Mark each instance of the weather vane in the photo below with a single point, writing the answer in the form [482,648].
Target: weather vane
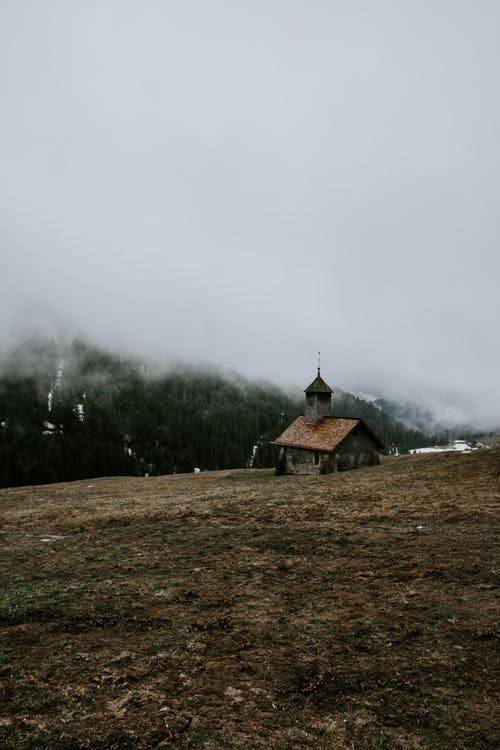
[319,360]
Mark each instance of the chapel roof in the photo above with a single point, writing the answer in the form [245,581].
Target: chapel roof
[324,435]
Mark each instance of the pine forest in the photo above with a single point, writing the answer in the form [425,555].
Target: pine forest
[76,411]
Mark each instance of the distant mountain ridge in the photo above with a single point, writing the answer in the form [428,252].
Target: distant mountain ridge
[411,415]
[75,411]
[418,418]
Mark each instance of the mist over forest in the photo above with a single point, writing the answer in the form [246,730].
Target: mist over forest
[248,183]
[73,411]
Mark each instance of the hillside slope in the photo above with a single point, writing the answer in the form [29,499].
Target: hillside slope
[74,412]
[240,610]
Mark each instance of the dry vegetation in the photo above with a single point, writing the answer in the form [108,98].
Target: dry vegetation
[242,610]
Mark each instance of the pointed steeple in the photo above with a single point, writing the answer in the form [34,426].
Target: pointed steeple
[318,399]
[318,385]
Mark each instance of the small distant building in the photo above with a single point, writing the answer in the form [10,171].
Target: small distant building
[318,443]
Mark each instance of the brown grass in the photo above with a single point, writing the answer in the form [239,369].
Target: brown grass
[242,610]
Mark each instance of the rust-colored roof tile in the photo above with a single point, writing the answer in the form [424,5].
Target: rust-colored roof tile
[324,435]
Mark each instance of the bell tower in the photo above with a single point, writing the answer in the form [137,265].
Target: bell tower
[318,399]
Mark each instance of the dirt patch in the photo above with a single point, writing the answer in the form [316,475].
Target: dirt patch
[243,610]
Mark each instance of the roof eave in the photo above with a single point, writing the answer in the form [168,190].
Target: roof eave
[305,447]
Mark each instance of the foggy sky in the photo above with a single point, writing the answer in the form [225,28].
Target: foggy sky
[248,182]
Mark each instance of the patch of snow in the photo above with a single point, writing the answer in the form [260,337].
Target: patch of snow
[49,428]
[460,446]
[251,460]
[56,384]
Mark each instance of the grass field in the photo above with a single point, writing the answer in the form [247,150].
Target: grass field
[243,610]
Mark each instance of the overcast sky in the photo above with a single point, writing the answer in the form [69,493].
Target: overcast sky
[247,182]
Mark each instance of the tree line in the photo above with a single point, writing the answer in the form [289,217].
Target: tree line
[78,412]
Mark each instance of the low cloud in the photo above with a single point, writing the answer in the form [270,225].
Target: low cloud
[248,184]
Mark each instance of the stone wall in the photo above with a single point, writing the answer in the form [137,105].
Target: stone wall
[299,461]
[358,449]
[318,405]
